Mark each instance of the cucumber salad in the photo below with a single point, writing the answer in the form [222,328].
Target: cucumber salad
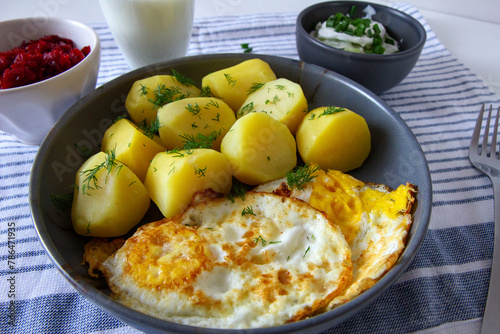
[361,35]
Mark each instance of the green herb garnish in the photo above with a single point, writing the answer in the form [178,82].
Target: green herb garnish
[150,130]
[261,239]
[331,110]
[200,141]
[200,171]
[163,95]
[91,181]
[230,79]
[248,211]
[206,92]
[301,175]
[182,79]
[238,189]
[62,202]
[254,87]
[246,47]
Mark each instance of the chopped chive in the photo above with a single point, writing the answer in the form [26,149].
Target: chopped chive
[353,11]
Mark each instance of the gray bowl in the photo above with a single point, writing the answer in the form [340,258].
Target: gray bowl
[396,158]
[378,73]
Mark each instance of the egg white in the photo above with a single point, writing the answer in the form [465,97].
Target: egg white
[217,266]
[378,225]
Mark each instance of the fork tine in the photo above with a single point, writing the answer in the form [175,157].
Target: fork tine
[484,147]
[474,148]
[494,138]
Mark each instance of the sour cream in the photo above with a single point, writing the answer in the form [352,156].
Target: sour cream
[359,44]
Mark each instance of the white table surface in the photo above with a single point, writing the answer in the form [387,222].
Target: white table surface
[469,30]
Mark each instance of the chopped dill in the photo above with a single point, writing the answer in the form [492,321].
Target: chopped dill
[143,90]
[261,239]
[83,151]
[238,189]
[182,79]
[247,108]
[212,103]
[193,109]
[254,87]
[90,181]
[307,251]
[230,79]
[301,175]
[206,92]
[62,202]
[200,171]
[150,130]
[200,141]
[248,211]
[176,152]
[163,95]
[331,110]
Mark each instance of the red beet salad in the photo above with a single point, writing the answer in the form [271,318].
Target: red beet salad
[38,60]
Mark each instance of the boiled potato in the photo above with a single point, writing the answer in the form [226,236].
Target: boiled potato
[147,95]
[280,98]
[109,199]
[192,117]
[259,148]
[334,138]
[233,84]
[175,176]
[132,147]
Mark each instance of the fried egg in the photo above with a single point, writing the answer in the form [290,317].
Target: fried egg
[257,261]
[373,219]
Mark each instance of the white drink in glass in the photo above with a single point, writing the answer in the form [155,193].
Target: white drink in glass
[149,31]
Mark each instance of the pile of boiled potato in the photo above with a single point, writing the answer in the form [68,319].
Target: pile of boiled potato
[245,124]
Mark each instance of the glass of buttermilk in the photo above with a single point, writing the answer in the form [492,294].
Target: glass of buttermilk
[150,31]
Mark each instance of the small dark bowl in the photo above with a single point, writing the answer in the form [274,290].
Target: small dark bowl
[378,73]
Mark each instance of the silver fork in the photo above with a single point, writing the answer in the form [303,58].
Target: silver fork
[488,162]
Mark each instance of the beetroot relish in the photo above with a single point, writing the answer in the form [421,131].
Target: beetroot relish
[38,60]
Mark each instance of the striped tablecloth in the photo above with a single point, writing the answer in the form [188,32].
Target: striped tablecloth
[443,290]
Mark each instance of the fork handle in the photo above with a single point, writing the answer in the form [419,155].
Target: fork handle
[491,319]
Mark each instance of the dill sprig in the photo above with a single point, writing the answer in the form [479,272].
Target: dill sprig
[163,95]
[246,109]
[248,211]
[331,110]
[85,152]
[200,141]
[91,181]
[307,251]
[206,91]
[176,152]
[261,239]
[62,202]
[150,130]
[254,87]
[182,79]
[200,171]
[230,80]
[238,189]
[301,175]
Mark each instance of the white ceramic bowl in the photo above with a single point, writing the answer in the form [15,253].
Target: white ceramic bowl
[29,112]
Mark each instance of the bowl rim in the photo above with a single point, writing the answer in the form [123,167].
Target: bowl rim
[95,48]
[301,31]
[130,316]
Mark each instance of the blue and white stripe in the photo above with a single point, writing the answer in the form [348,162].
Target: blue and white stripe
[443,290]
